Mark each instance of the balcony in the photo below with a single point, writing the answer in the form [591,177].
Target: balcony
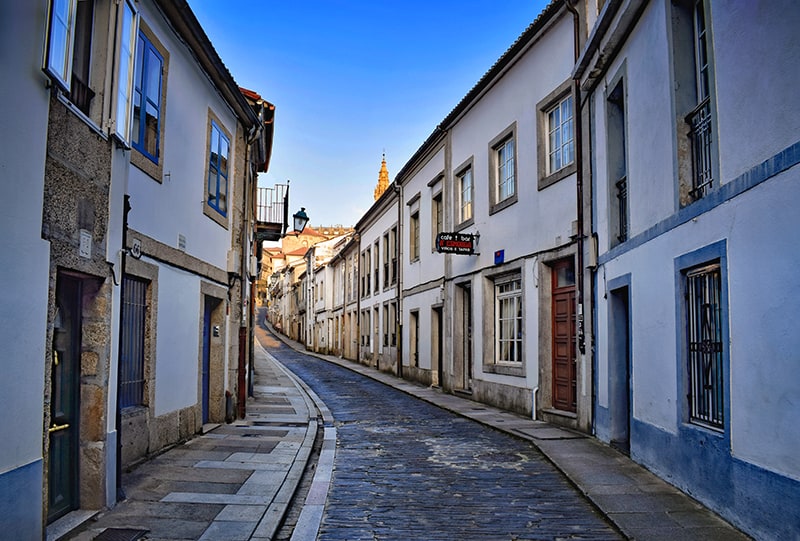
[271,212]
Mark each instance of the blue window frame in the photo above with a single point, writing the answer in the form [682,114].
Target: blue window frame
[146,136]
[217,183]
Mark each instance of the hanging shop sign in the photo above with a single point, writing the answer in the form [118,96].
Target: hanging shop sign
[455,243]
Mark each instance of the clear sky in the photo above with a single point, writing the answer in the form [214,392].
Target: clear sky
[351,79]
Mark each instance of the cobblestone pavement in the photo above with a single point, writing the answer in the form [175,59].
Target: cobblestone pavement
[407,470]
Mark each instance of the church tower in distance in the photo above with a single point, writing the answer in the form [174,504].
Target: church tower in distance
[383,179]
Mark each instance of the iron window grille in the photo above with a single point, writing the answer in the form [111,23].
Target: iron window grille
[622,208]
[705,343]
[699,121]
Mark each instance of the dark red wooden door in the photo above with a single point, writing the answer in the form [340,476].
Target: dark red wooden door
[564,372]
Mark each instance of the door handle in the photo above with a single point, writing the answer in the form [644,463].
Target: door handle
[57,428]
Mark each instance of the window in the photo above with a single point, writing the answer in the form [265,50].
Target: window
[393,243]
[69,49]
[437,217]
[693,72]
[700,118]
[561,146]
[377,264]
[58,62]
[217,181]
[555,149]
[464,185]
[704,327]
[413,251]
[385,325]
[393,324]
[127,44]
[367,264]
[502,170]
[508,320]
[413,354]
[147,104]
[617,165]
[386,258]
[505,170]
[132,351]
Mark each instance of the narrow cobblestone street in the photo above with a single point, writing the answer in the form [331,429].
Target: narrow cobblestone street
[405,469]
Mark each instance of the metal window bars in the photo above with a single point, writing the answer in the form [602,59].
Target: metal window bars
[705,359]
[699,121]
[622,208]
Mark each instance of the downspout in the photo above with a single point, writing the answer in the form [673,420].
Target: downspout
[246,330]
[398,190]
[581,338]
[579,171]
[126,208]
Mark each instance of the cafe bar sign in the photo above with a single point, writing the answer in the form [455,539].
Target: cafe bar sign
[455,243]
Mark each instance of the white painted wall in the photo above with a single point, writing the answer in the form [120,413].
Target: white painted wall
[177,341]
[24,256]
[175,206]
[539,219]
[430,265]
[758,118]
[371,233]
[756,46]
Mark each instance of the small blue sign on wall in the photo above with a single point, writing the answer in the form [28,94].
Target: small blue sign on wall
[499,256]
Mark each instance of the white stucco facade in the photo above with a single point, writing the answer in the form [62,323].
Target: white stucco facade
[744,224]
[24,260]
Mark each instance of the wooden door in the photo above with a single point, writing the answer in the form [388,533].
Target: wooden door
[564,366]
[64,404]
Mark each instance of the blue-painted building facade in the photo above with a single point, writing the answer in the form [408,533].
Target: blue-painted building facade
[692,128]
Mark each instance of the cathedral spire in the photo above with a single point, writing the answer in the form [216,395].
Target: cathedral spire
[383,179]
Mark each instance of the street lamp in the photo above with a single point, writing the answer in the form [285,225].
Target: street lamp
[300,220]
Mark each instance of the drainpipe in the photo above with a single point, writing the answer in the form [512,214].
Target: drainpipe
[570,5]
[126,208]
[398,190]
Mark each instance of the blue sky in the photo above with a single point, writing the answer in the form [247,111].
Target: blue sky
[352,79]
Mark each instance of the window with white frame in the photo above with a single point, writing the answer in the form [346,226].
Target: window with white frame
[128,30]
[506,186]
[464,186]
[503,169]
[508,320]
[58,60]
[560,136]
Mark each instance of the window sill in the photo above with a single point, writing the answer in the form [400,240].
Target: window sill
[465,224]
[505,203]
[564,172]
[506,369]
[214,214]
